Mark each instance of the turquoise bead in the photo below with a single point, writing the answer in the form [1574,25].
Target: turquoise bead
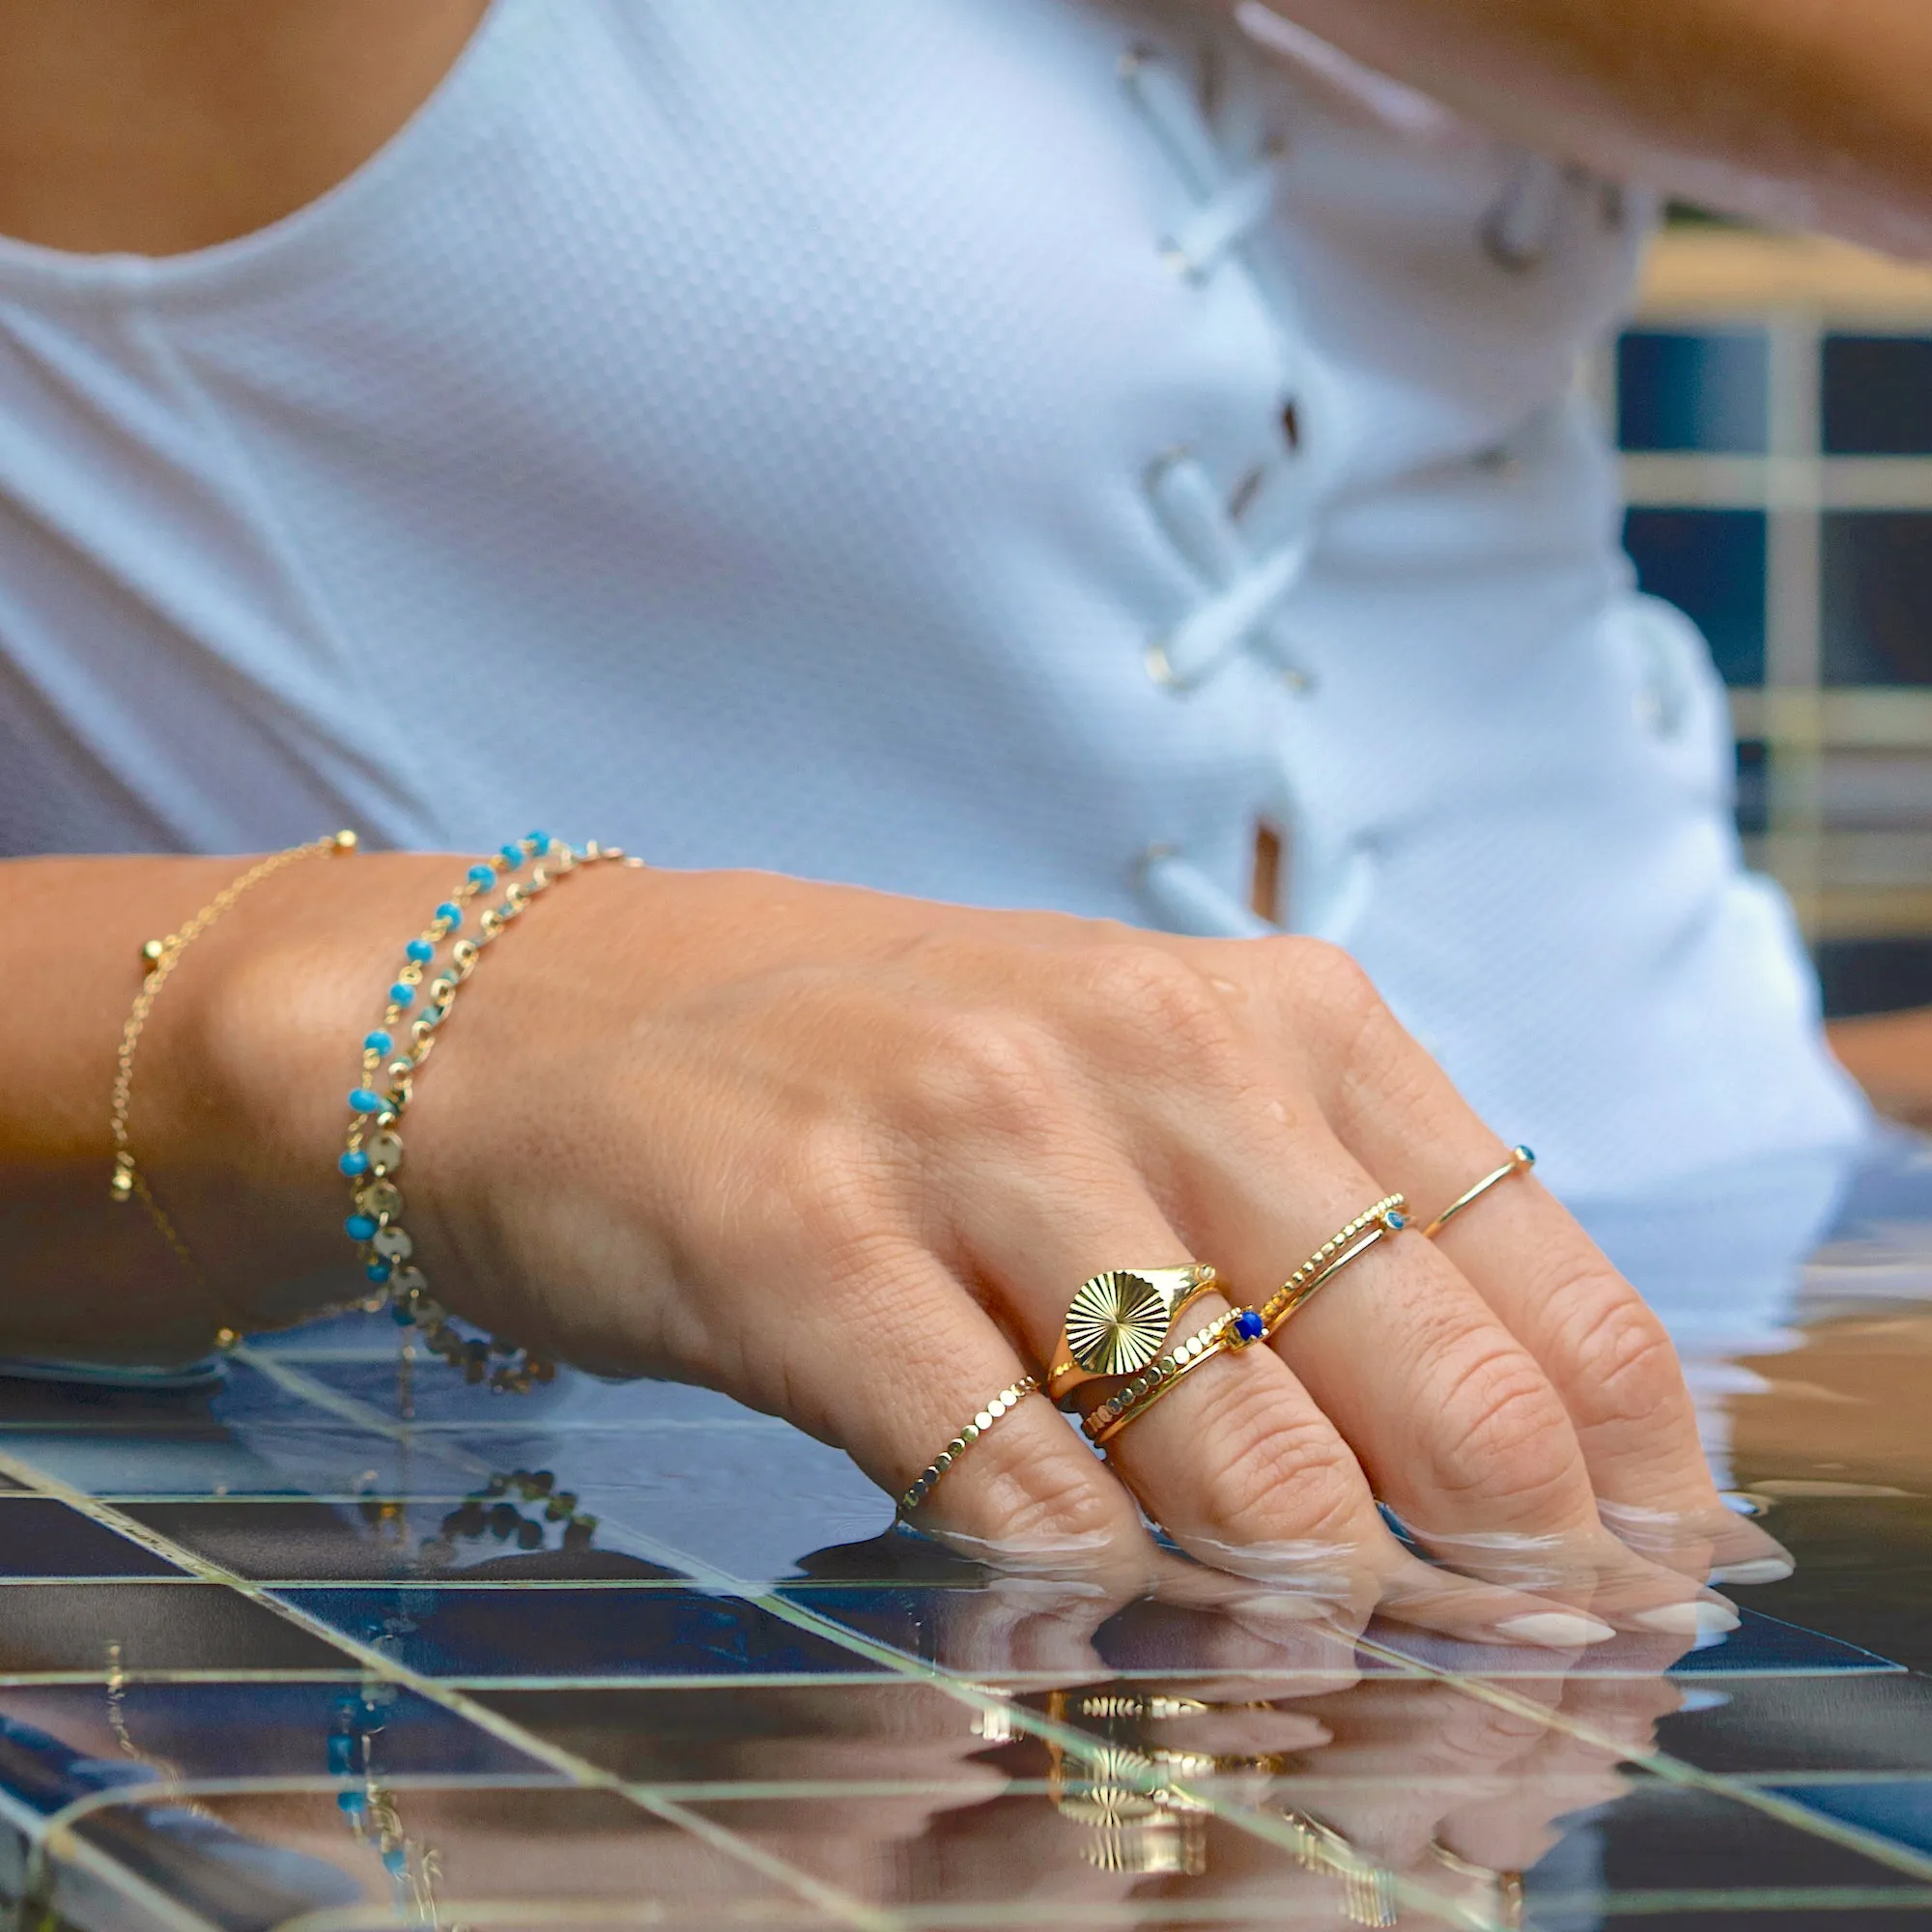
[378,1272]
[378,1041]
[420,951]
[539,842]
[482,875]
[365,1100]
[450,913]
[354,1163]
[402,995]
[360,1227]
[513,855]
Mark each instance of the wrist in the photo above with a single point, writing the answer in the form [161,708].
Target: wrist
[251,1079]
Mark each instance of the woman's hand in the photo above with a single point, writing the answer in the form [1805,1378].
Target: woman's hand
[847,1156]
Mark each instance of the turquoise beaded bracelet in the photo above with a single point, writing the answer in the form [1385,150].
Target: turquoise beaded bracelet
[372,1153]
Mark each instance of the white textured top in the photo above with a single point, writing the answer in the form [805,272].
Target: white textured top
[796,436]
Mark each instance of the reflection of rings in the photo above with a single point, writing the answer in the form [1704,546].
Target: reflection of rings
[1521,1161]
[1507,1885]
[1005,1402]
[1384,1218]
[1230,1332]
[1118,1321]
[1368,1889]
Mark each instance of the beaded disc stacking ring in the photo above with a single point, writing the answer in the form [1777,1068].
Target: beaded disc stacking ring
[1117,1322]
[1228,1333]
[1521,1161]
[1005,1402]
[1346,1244]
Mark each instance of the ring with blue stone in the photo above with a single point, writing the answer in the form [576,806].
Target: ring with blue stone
[1348,1243]
[1228,1333]
[1521,1161]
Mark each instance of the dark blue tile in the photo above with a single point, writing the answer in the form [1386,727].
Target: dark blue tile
[1711,564]
[42,1538]
[458,1631]
[150,1627]
[1878,395]
[1707,391]
[262,1730]
[1878,597]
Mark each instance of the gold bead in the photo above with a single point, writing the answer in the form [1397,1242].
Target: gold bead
[346,840]
[122,1186]
[150,953]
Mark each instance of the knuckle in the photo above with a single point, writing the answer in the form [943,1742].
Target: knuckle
[1328,978]
[1059,1502]
[838,1190]
[1625,1366]
[1503,1432]
[1271,1473]
[992,1070]
[1158,1000]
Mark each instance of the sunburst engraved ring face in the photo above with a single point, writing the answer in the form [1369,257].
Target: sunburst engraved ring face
[1118,1321]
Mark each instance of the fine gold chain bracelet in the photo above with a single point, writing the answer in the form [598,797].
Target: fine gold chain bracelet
[160,957]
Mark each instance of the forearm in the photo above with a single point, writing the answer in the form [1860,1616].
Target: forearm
[1815,113]
[237,1094]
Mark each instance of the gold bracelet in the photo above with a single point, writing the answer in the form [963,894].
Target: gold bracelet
[371,1153]
[159,959]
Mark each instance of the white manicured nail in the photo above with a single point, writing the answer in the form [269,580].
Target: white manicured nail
[1556,1630]
[1701,1619]
[1759,1570]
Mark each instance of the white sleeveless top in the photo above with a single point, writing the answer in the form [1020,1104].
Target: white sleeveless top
[993,449]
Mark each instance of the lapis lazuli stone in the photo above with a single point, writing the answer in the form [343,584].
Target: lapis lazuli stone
[360,1227]
[354,1163]
[420,951]
[1249,1325]
[365,1100]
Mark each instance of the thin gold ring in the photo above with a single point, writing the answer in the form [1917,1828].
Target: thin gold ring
[1118,1322]
[1521,1161]
[1005,1402]
[1345,1244]
[1230,1332]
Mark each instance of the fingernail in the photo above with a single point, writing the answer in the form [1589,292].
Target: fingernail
[1759,1570]
[1556,1630]
[1700,1619]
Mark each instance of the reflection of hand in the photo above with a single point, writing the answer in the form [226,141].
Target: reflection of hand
[846,1157]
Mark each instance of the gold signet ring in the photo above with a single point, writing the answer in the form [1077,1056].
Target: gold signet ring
[1117,1322]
